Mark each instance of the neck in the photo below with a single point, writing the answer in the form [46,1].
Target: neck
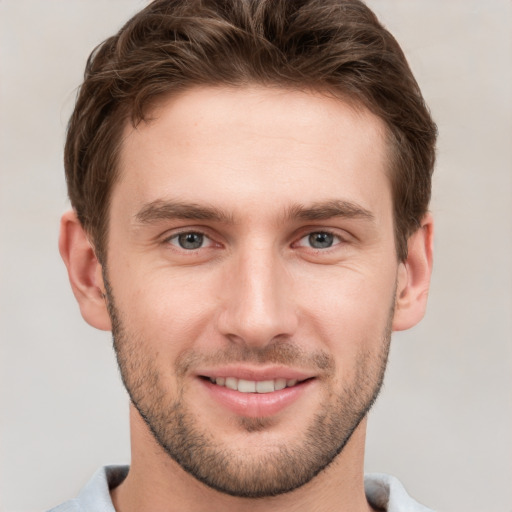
[155,482]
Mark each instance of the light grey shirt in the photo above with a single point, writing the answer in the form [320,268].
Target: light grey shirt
[382,491]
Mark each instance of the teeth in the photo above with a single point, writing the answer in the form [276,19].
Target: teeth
[279,384]
[265,386]
[246,386]
[232,383]
[252,386]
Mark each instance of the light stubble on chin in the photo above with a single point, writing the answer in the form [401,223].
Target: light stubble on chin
[279,468]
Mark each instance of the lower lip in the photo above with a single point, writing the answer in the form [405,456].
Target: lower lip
[256,405]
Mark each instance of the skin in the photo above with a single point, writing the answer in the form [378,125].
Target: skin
[280,166]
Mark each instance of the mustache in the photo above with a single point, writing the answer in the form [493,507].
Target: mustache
[278,352]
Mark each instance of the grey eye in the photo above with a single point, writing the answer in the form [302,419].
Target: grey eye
[190,241]
[321,240]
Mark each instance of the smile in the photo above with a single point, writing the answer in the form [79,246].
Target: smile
[253,386]
[262,397]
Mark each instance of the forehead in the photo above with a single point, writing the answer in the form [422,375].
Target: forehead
[254,146]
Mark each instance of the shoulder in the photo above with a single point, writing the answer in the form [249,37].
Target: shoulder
[95,496]
[386,492]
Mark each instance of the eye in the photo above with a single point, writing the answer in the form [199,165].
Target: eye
[319,240]
[189,240]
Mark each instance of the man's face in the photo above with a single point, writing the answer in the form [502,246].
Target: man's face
[251,280]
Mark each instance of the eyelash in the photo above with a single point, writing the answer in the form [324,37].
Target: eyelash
[176,237]
[336,239]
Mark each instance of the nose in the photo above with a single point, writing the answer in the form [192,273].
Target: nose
[258,304]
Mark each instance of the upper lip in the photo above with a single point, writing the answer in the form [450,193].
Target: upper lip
[255,373]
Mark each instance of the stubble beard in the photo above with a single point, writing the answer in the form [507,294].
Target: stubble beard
[275,471]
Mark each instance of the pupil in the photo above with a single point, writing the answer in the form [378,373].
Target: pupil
[320,240]
[190,240]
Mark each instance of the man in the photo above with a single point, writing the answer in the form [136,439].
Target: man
[250,184]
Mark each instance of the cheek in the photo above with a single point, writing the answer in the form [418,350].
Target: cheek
[350,312]
[165,310]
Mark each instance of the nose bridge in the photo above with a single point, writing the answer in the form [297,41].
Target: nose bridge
[259,305]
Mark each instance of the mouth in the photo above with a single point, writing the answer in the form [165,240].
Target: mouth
[256,392]
[254,386]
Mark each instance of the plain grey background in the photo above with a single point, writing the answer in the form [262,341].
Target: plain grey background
[443,423]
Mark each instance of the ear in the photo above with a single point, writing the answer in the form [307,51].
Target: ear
[413,279]
[84,271]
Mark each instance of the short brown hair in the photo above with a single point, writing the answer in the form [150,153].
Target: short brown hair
[337,46]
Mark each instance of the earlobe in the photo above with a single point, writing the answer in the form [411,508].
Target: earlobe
[84,271]
[413,279]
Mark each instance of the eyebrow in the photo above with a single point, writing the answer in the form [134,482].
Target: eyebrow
[160,209]
[165,210]
[328,210]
